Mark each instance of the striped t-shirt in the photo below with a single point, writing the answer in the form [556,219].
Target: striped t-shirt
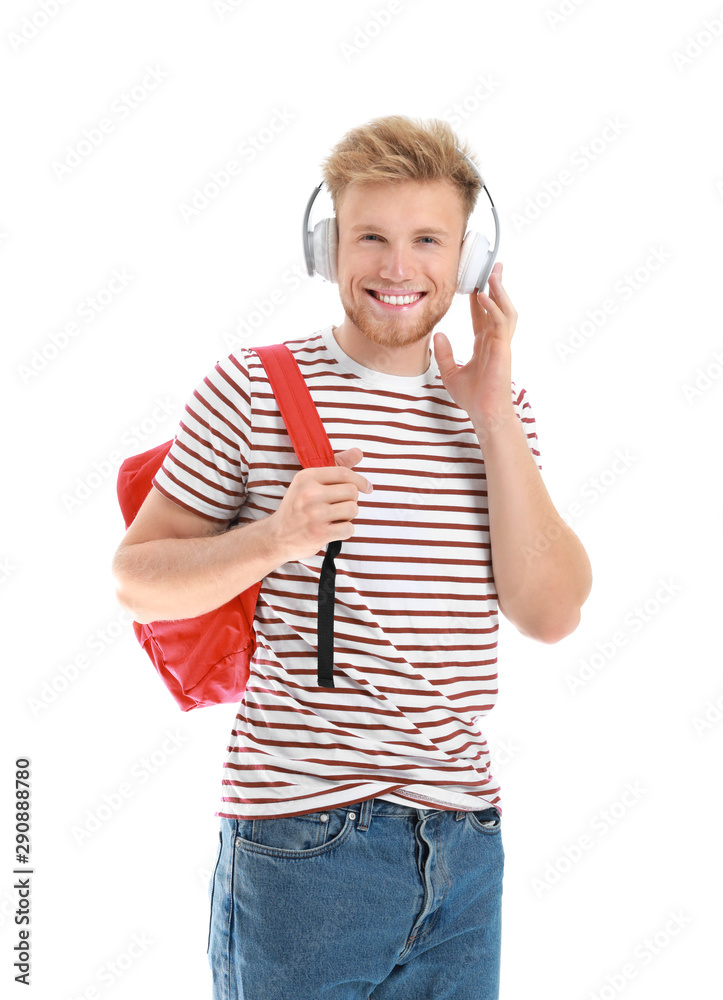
[415,606]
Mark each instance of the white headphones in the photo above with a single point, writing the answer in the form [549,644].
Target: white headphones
[475,262]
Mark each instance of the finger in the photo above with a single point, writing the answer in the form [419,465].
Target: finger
[496,289]
[349,457]
[485,309]
[494,280]
[443,354]
[499,298]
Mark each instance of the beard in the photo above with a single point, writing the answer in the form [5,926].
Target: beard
[396,331]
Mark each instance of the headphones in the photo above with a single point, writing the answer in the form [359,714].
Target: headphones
[475,262]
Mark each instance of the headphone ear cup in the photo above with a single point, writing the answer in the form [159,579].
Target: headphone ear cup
[325,242]
[475,263]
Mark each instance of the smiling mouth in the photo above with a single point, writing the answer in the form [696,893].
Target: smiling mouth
[396,301]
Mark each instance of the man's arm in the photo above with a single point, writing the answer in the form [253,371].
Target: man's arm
[173,564]
[541,570]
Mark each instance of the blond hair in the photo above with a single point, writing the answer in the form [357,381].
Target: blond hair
[396,148]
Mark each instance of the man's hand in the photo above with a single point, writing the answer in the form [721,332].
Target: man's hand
[319,506]
[482,387]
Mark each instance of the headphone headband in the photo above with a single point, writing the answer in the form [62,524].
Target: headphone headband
[308,255]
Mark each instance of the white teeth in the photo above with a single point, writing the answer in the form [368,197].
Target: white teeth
[397,300]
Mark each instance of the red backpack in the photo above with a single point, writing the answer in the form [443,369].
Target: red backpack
[205,660]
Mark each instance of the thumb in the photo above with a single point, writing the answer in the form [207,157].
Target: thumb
[349,458]
[443,354]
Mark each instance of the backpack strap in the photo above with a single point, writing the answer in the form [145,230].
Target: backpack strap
[313,449]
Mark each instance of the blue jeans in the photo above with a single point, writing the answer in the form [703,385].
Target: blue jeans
[370,901]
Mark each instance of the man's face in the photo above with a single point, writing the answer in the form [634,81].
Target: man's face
[401,238]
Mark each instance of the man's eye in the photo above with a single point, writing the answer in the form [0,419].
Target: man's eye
[373,236]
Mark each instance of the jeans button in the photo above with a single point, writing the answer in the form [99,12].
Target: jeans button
[352,815]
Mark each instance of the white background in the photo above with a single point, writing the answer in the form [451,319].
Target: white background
[80,698]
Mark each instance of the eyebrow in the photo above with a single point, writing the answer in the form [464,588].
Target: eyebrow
[426,231]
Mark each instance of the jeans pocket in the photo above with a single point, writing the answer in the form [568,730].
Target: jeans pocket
[212,886]
[487,821]
[307,835]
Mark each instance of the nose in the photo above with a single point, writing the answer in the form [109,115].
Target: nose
[397,262]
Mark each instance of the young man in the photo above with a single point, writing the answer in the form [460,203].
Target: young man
[360,836]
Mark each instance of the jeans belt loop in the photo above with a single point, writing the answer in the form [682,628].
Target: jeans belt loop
[366,809]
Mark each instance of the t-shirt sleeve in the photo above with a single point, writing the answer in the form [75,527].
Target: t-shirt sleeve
[206,469]
[521,403]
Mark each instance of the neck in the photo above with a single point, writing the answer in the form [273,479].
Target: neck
[391,358]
